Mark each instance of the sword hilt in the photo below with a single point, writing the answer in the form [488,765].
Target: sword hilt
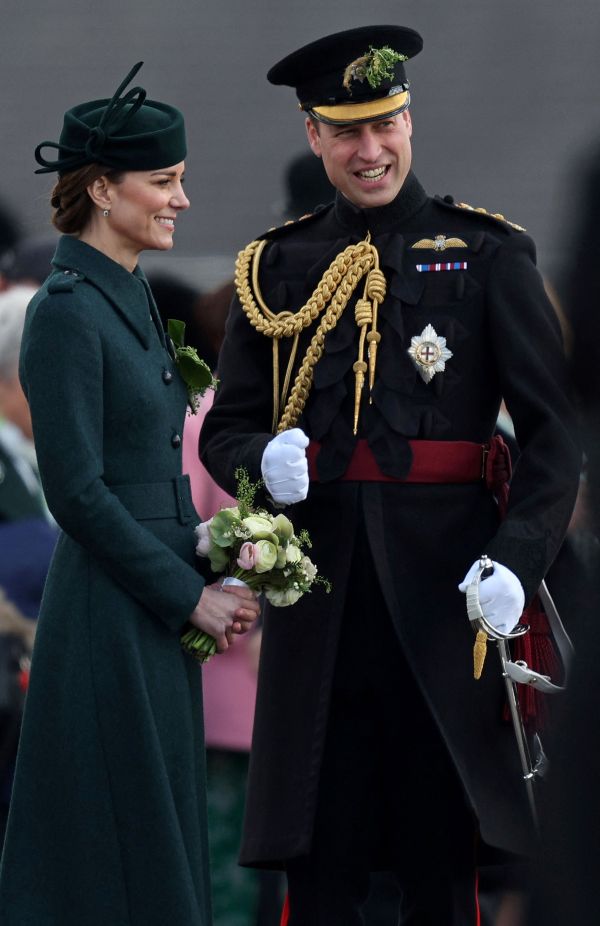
[474,612]
[483,628]
[487,567]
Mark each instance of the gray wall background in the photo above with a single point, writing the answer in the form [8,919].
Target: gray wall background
[505,100]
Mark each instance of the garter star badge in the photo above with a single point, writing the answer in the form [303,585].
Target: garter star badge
[429,353]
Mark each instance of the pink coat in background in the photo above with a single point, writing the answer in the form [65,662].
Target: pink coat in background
[228,680]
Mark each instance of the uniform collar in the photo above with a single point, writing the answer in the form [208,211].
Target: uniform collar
[380,219]
[126,291]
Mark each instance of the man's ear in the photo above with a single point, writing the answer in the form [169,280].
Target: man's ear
[314,139]
[99,192]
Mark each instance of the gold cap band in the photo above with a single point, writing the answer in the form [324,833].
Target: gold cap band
[347,113]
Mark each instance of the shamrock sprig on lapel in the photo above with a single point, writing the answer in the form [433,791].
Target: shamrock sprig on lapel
[194,371]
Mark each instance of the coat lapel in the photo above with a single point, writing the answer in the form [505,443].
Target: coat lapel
[125,291]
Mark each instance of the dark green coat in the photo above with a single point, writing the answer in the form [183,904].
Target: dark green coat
[108,820]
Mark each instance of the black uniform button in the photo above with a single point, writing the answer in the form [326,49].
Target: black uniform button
[167,377]
[176,441]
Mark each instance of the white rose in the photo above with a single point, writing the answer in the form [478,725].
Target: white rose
[281,597]
[261,528]
[293,554]
[308,568]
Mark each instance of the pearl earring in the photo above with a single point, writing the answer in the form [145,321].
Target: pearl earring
[106,213]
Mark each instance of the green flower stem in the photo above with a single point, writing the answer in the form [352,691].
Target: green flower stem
[199,644]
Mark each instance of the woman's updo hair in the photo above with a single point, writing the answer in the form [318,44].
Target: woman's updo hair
[71,201]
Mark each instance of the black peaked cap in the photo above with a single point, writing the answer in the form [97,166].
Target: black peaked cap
[317,70]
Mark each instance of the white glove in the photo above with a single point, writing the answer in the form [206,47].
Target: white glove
[501,596]
[285,467]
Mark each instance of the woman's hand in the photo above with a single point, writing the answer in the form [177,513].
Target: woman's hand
[224,611]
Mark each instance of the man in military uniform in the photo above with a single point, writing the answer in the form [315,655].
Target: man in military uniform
[375,339]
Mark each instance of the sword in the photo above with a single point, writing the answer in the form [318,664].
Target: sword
[530,769]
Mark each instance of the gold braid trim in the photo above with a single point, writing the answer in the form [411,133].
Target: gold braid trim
[492,215]
[331,296]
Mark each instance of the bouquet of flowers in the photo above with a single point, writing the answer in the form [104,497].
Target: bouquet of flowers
[252,546]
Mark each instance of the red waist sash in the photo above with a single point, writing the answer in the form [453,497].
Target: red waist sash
[434,461]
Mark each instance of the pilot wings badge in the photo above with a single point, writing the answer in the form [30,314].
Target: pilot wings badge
[439,243]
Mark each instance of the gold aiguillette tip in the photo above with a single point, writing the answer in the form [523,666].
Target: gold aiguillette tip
[479,651]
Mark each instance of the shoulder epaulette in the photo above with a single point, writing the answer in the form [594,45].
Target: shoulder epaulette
[292,224]
[492,215]
[64,281]
[449,201]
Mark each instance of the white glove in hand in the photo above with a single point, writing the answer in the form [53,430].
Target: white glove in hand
[285,467]
[501,596]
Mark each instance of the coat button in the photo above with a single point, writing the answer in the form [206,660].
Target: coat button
[176,441]
[167,377]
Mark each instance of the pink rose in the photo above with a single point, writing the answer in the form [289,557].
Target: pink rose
[247,557]
[204,539]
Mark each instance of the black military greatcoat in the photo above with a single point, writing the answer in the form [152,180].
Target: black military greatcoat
[505,343]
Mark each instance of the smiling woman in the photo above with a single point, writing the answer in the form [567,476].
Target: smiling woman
[108,820]
[136,212]
[121,213]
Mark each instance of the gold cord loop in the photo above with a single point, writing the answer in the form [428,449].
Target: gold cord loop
[376,286]
[329,299]
[375,289]
[363,312]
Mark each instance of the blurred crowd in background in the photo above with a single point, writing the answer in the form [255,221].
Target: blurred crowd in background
[27,531]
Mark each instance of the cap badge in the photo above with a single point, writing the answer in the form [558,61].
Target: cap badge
[439,243]
[375,66]
[429,353]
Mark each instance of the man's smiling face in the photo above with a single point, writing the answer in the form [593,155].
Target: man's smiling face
[369,161]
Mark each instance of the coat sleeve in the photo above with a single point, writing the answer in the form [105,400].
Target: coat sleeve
[62,376]
[527,345]
[237,428]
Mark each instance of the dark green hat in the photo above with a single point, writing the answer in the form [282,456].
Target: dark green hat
[352,76]
[126,132]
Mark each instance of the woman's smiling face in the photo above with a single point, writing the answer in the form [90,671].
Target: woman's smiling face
[144,206]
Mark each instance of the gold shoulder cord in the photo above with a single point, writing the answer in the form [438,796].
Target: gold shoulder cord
[331,296]
[493,215]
